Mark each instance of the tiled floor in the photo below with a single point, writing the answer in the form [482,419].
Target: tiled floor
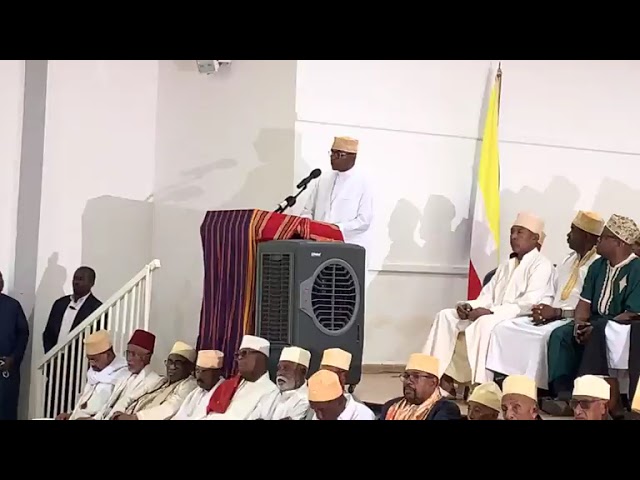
[381,387]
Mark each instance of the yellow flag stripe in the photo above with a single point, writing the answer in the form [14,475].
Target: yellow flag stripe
[489,166]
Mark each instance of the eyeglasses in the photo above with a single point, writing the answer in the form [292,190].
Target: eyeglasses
[337,153]
[175,363]
[413,377]
[584,404]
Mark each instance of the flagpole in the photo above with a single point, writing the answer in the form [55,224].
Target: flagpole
[499,86]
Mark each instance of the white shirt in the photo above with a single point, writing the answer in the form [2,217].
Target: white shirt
[99,387]
[354,410]
[561,277]
[344,199]
[293,404]
[195,405]
[70,315]
[247,398]
[128,390]
[517,286]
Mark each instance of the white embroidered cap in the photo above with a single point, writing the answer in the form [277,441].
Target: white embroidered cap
[258,344]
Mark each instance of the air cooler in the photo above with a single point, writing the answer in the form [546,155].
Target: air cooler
[311,295]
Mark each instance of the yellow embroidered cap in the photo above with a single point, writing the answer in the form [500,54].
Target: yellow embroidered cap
[635,405]
[98,342]
[184,350]
[336,357]
[210,359]
[487,394]
[345,144]
[520,385]
[324,386]
[590,222]
[423,363]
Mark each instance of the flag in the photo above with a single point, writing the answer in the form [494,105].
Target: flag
[485,230]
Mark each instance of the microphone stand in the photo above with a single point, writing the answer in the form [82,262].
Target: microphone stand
[291,200]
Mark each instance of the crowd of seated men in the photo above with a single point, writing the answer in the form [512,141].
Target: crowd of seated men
[567,330]
[561,339]
[193,388]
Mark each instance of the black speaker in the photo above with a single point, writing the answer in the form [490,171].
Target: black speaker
[311,295]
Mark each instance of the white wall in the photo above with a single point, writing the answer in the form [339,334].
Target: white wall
[11,107]
[224,141]
[568,143]
[97,175]
[137,151]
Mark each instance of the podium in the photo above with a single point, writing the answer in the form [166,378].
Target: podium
[229,242]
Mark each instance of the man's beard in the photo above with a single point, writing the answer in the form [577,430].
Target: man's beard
[285,384]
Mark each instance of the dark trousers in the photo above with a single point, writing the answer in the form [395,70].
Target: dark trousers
[596,362]
[565,356]
[9,393]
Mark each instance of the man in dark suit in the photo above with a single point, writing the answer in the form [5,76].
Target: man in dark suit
[66,314]
[14,335]
[422,399]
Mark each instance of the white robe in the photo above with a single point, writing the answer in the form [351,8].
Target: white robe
[293,404]
[128,390]
[247,398]
[166,408]
[346,200]
[99,388]
[354,410]
[518,347]
[511,293]
[195,405]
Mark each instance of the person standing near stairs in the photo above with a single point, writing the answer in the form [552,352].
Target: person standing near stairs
[14,335]
[66,314]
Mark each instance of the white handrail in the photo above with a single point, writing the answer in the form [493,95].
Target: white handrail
[62,343]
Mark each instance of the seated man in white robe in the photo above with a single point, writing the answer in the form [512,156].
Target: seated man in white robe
[292,400]
[163,402]
[519,283]
[519,346]
[141,379]
[237,397]
[329,402]
[519,398]
[105,370]
[208,377]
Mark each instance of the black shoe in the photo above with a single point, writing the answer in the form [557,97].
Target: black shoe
[556,408]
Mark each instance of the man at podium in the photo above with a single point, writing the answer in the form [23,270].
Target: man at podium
[343,197]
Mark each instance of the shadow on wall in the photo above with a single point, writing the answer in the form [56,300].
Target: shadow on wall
[396,319]
[187,187]
[50,288]
[616,197]
[267,184]
[442,244]
[116,241]
[556,214]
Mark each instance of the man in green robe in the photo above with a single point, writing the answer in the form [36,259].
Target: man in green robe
[611,291]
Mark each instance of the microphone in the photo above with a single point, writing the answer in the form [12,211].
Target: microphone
[290,201]
[314,174]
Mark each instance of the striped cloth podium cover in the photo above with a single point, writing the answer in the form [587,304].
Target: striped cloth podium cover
[229,241]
